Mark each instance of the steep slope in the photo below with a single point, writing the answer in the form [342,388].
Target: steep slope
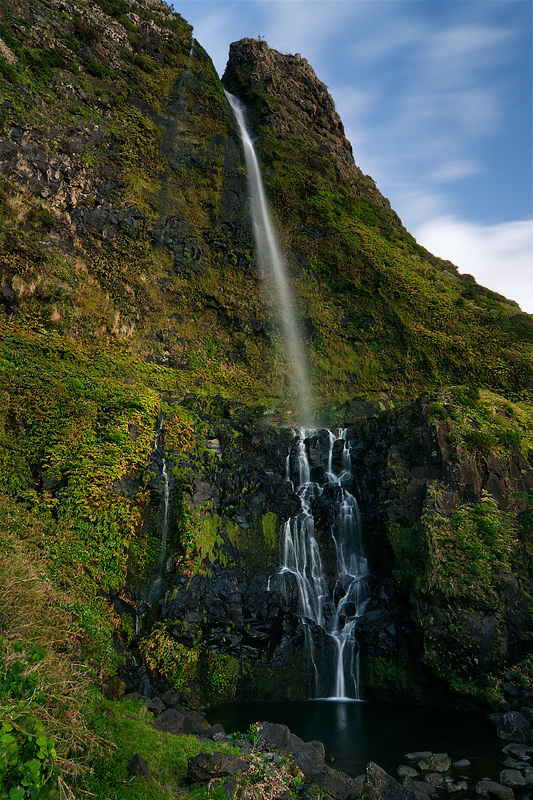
[130,297]
[381,312]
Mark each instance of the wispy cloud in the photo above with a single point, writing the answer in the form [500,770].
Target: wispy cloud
[499,256]
[434,98]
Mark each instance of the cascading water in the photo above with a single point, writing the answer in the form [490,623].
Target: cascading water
[273,267]
[334,609]
[155,589]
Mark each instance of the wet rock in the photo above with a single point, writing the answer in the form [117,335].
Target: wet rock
[488,788]
[513,726]
[338,785]
[381,785]
[518,749]
[273,736]
[206,766]
[413,789]
[139,768]
[460,786]
[414,758]
[404,771]
[308,756]
[512,763]
[461,764]
[436,762]
[512,778]
[434,779]
[527,772]
[132,696]
[422,788]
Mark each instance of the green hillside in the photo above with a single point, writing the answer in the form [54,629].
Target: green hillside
[130,296]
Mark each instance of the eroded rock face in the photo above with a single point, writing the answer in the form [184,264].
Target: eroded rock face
[412,478]
[283,91]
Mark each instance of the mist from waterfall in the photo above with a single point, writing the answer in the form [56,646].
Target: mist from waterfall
[274,270]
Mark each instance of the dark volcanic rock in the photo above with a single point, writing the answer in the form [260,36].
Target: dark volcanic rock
[379,785]
[206,766]
[139,768]
[179,721]
[514,727]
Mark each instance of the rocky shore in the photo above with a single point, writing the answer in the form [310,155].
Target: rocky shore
[270,761]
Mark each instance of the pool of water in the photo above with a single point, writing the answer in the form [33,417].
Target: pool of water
[355,733]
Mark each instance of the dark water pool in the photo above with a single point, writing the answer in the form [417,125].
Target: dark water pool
[355,733]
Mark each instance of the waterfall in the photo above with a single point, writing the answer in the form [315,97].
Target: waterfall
[155,589]
[319,467]
[273,268]
[191,51]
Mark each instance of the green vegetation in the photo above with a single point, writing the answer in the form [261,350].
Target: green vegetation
[130,293]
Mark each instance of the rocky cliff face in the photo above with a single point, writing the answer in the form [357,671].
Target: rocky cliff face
[129,293]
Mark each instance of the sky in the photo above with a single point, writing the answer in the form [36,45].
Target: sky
[436,97]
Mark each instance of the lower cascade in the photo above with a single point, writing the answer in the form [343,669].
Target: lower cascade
[330,572]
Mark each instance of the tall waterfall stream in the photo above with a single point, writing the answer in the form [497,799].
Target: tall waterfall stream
[273,268]
[333,608]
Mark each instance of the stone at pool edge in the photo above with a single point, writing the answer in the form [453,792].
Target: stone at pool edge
[512,778]
[436,762]
[404,771]
[513,726]
[463,763]
[518,749]
[495,790]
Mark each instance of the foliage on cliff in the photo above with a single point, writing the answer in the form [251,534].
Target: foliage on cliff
[128,284]
[381,312]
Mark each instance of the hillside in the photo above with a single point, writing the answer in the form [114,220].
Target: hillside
[143,379]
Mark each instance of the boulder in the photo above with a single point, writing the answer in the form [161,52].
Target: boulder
[518,749]
[178,721]
[414,758]
[434,779]
[139,768]
[155,705]
[273,736]
[416,790]
[435,762]
[487,788]
[527,772]
[308,756]
[215,732]
[424,789]
[513,726]
[206,766]
[380,785]
[404,771]
[512,778]
[460,786]
[338,785]
[462,763]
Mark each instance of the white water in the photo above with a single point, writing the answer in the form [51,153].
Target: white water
[273,268]
[155,589]
[336,608]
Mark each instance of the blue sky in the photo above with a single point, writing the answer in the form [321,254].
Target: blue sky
[436,97]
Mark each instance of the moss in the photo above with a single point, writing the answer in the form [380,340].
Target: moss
[221,675]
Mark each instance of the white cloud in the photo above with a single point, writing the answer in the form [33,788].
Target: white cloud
[500,256]
[454,170]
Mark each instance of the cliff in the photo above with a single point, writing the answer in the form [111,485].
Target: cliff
[139,364]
